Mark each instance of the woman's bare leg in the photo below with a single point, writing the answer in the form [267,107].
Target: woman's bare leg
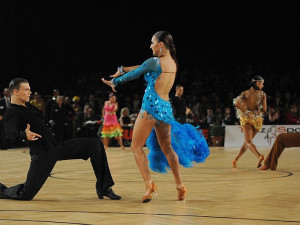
[249,133]
[121,142]
[105,142]
[242,149]
[241,152]
[141,131]
[163,133]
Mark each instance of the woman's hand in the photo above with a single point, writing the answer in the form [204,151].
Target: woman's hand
[251,115]
[117,74]
[109,83]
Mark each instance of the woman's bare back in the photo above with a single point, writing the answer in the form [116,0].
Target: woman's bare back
[252,99]
[166,79]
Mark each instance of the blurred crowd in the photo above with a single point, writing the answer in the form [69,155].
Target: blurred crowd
[76,109]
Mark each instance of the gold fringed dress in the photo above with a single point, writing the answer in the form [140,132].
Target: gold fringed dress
[252,100]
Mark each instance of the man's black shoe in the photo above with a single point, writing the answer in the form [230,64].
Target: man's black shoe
[108,193]
[2,187]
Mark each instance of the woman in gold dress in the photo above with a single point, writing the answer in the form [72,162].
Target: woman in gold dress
[250,106]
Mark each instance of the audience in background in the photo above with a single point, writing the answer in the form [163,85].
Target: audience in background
[38,102]
[208,94]
[125,119]
[292,116]
[228,117]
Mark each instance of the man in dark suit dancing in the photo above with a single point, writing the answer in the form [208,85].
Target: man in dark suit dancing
[24,121]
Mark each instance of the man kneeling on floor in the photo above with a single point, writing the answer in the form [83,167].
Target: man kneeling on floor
[24,121]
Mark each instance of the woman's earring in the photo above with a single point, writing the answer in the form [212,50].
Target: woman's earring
[159,49]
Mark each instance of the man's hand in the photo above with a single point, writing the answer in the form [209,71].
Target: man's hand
[1,117]
[31,136]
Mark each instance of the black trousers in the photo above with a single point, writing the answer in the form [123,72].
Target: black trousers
[3,144]
[43,161]
[181,119]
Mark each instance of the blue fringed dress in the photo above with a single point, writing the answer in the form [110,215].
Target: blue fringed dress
[188,142]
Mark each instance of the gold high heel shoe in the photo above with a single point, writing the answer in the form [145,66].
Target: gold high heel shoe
[260,159]
[234,163]
[181,193]
[152,188]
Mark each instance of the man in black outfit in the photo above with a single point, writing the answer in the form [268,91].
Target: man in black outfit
[59,119]
[179,105]
[24,121]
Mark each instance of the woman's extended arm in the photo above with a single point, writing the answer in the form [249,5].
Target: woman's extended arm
[238,102]
[116,107]
[121,70]
[149,65]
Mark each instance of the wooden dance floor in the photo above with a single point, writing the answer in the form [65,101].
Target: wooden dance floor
[217,193]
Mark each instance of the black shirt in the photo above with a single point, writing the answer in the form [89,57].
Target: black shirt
[126,120]
[179,107]
[59,114]
[229,120]
[16,119]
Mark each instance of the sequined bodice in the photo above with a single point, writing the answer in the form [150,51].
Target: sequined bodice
[152,103]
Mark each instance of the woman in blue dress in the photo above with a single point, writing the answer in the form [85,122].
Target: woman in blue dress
[169,142]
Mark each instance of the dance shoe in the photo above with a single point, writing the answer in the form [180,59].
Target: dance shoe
[108,193]
[150,188]
[181,193]
[264,167]
[2,187]
[234,163]
[260,159]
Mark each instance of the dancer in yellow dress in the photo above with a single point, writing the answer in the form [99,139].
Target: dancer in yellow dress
[250,106]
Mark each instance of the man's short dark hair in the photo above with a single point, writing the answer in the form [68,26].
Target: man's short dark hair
[179,85]
[15,84]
